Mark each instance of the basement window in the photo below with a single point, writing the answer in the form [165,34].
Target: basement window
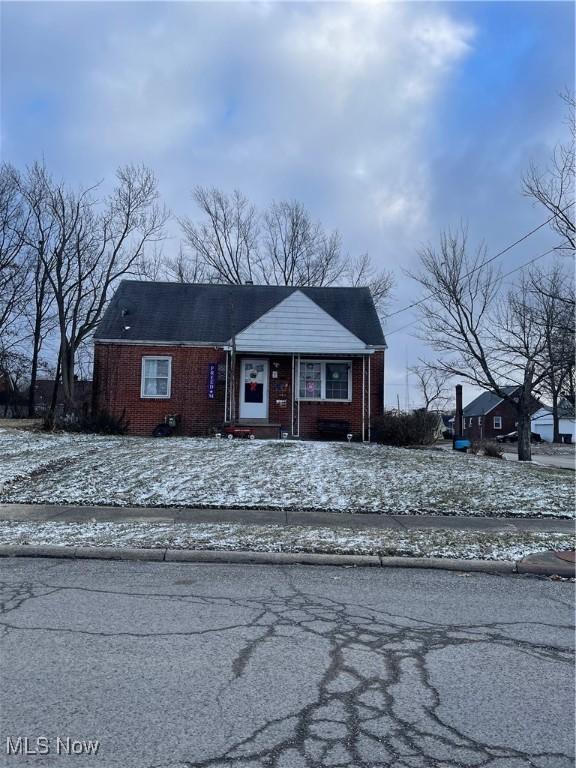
[325,380]
[156,377]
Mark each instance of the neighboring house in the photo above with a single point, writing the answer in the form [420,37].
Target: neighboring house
[489,415]
[276,358]
[542,422]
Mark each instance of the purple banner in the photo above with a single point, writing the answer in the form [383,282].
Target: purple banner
[212,378]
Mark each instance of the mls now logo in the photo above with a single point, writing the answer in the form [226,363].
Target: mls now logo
[42,745]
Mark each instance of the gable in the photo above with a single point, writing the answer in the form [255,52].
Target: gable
[298,324]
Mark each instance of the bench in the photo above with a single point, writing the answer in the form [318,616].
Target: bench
[333,427]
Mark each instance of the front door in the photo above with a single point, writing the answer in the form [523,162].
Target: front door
[253,389]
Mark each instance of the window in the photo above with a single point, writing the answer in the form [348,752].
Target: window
[471,420]
[310,380]
[479,421]
[156,377]
[325,380]
[497,422]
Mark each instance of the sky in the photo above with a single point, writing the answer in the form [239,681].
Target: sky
[390,121]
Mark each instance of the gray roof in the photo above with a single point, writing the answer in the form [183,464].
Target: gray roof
[485,402]
[212,314]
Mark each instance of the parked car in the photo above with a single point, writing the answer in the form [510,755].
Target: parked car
[512,437]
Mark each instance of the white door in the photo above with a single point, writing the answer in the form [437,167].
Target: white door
[253,389]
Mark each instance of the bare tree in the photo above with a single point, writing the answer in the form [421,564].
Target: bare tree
[291,242]
[553,187]
[186,269]
[88,246]
[13,224]
[362,272]
[284,246]
[297,250]
[226,241]
[432,384]
[553,298]
[491,340]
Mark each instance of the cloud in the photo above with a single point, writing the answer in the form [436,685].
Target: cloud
[389,120]
[305,100]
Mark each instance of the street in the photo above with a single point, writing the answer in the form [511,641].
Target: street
[292,667]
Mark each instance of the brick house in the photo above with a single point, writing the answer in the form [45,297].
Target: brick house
[275,358]
[489,416]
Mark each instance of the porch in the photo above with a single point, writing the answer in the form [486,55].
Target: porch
[303,395]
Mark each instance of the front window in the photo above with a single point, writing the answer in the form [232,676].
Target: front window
[497,422]
[156,377]
[479,421]
[325,380]
[310,380]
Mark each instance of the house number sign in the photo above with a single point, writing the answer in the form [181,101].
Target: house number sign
[212,378]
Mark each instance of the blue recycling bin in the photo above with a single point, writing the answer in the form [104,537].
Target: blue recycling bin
[461,444]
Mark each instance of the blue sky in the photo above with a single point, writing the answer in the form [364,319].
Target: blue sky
[390,121]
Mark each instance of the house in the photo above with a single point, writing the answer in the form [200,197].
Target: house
[490,415]
[279,359]
[542,422]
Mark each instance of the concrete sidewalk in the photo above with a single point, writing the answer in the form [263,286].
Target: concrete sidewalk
[357,521]
[544,460]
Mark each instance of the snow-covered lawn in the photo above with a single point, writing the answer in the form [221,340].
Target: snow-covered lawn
[86,469]
[290,538]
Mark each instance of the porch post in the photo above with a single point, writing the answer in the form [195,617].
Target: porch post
[298,401]
[293,396]
[226,391]
[363,393]
[369,396]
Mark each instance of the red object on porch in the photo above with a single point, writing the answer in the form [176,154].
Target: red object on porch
[245,432]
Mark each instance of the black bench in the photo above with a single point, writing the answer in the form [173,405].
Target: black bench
[333,427]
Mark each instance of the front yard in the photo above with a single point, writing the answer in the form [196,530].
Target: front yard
[84,469]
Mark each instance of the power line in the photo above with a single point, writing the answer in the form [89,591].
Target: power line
[484,263]
[507,274]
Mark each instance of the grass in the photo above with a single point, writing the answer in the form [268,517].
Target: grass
[95,470]
[292,538]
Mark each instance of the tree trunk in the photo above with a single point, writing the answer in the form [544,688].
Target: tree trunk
[67,365]
[34,371]
[54,400]
[524,430]
[555,419]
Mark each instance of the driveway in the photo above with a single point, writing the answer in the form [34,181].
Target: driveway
[292,667]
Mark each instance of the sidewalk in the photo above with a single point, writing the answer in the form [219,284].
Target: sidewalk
[356,521]
[543,460]
[494,545]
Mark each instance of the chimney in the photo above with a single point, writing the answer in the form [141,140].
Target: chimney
[249,282]
[458,415]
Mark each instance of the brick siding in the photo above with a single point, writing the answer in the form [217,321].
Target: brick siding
[117,379]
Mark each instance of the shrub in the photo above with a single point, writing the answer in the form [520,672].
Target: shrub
[475,447]
[492,449]
[102,423]
[417,428]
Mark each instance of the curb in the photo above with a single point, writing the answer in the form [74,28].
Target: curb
[556,568]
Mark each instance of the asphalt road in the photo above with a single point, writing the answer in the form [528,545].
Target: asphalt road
[285,667]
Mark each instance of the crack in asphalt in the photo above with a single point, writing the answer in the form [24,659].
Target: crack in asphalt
[375,695]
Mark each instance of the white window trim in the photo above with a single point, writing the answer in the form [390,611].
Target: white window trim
[323,398]
[142,377]
[499,419]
